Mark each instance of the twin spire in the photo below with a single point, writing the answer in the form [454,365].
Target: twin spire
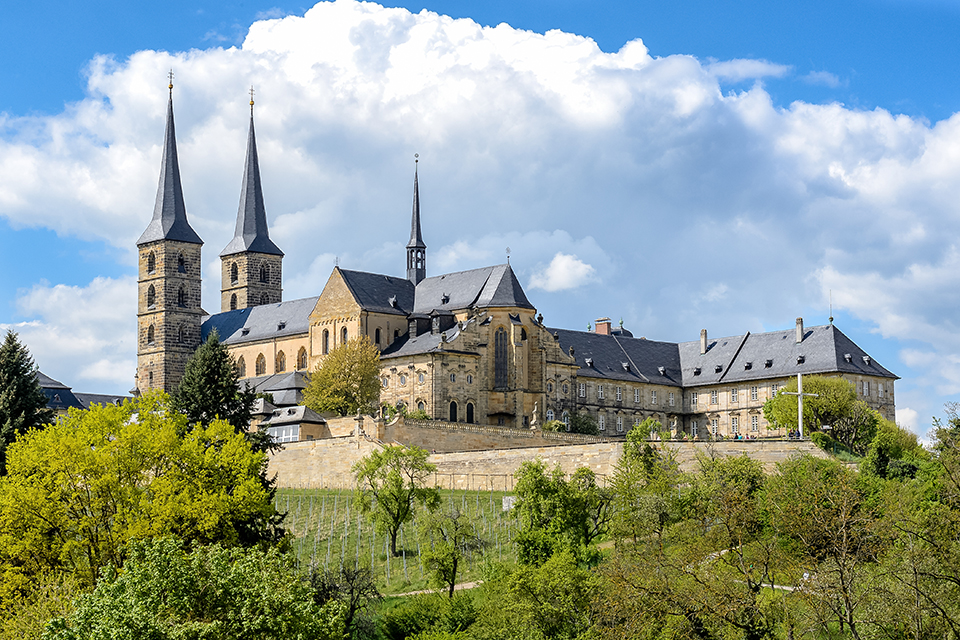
[416,249]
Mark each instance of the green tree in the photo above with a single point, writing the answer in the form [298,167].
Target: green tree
[22,403]
[355,588]
[347,380]
[166,592]
[78,491]
[210,388]
[452,536]
[391,486]
[583,422]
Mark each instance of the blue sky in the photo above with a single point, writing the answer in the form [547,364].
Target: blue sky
[752,158]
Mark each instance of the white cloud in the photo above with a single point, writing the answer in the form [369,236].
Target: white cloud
[747,69]
[822,78]
[564,272]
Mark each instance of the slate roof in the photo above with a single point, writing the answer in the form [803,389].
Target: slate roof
[622,358]
[293,415]
[286,388]
[374,291]
[263,322]
[169,213]
[424,343]
[88,399]
[59,396]
[824,349]
[495,286]
[251,233]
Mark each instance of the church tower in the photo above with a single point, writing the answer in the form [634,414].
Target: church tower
[250,265]
[416,249]
[168,308]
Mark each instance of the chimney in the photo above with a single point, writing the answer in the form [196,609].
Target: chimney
[799,330]
[703,341]
[602,326]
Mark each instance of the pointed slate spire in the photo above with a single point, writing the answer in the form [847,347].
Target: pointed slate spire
[416,249]
[169,214]
[251,233]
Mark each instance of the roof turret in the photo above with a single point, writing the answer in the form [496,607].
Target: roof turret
[416,240]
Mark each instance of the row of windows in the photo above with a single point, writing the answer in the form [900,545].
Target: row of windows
[264,299]
[152,263]
[152,297]
[325,340]
[280,363]
[151,337]
[235,273]
[565,387]
[618,394]
[714,424]
[734,395]
[377,337]
[402,379]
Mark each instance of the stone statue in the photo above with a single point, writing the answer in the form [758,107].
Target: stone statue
[535,419]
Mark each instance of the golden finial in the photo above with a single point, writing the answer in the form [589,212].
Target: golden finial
[170,78]
[251,100]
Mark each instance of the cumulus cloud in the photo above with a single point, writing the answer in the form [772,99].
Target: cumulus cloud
[693,206]
[565,271]
[822,78]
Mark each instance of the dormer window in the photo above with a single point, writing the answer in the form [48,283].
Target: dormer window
[662,370]
[866,360]
[393,301]
[444,299]
[747,366]
[589,362]
[768,363]
[718,368]
[801,359]
[696,371]
[281,326]
[625,365]
[245,331]
[848,357]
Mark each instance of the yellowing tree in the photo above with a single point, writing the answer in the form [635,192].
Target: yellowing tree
[347,380]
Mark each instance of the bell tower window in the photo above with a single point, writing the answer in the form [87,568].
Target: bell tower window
[181,264]
[181,297]
[151,298]
[234,274]
[151,336]
[264,272]
[151,263]
[233,302]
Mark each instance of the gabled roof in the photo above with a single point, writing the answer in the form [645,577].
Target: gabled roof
[169,213]
[286,388]
[251,233]
[622,358]
[293,415]
[495,286]
[379,293]
[262,322]
[59,396]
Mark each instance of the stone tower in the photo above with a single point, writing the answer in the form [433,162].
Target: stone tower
[168,308]
[250,265]
[416,249]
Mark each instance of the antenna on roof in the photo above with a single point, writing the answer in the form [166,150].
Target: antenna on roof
[831,306]
[508,255]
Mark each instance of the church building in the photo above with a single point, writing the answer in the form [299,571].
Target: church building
[464,347]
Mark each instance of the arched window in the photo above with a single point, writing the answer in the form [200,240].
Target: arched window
[550,415]
[377,336]
[261,365]
[421,406]
[470,412]
[151,297]
[233,302]
[500,359]
[566,419]
[242,367]
[151,263]
[396,333]
[281,362]
[302,359]
[264,299]
[181,264]
[325,346]
[343,335]
[181,297]
[453,411]
[234,273]
[180,334]
[264,272]
[151,335]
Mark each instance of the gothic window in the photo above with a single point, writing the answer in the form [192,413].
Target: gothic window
[264,299]
[523,333]
[500,359]
[470,413]
[234,273]
[151,297]
[264,272]
[325,343]
[281,362]
[421,406]
[420,378]
[151,263]
[302,358]
[377,334]
[233,302]
[343,335]
[151,335]
[181,297]
[242,367]
[453,411]
[181,264]
[261,365]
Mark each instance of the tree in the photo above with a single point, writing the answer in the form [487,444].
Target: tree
[166,592]
[347,380]
[78,491]
[582,422]
[452,536]
[22,403]
[391,487]
[210,388]
[355,588]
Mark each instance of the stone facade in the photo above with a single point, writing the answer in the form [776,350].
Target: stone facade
[248,279]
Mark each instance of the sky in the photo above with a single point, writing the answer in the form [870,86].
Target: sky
[684,165]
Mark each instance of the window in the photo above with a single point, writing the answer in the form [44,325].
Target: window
[636,395]
[549,387]
[880,390]
[602,422]
[619,424]
[264,272]
[281,365]
[284,434]
[566,389]
[377,336]
[735,425]
[653,396]
[385,382]
[420,378]
[713,426]
[151,335]
[181,264]
[713,397]
[343,335]
[241,367]
[866,387]
[599,392]
[469,378]
[151,297]
[734,395]
[302,359]
[396,333]
[695,428]
[694,398]
[582,390]
[500,359]
[469,413]
[550,415]
[453,411]
[566,419]
[180,334]
[754,393]
[233,302]
[181,297]
[453,377]
[261,365]
[671,399]
[234,274]
[325,343]
[619,394]
[403,380]
[774,388]
[754,423]
[264,298]
[421,406]
[151,263]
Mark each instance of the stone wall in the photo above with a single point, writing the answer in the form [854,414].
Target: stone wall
[446,437]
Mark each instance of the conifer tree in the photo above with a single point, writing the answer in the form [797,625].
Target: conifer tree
[22,403]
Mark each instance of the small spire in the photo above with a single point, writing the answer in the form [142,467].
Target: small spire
[251,101]
[416,248]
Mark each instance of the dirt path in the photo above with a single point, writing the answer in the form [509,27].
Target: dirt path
[459,587]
